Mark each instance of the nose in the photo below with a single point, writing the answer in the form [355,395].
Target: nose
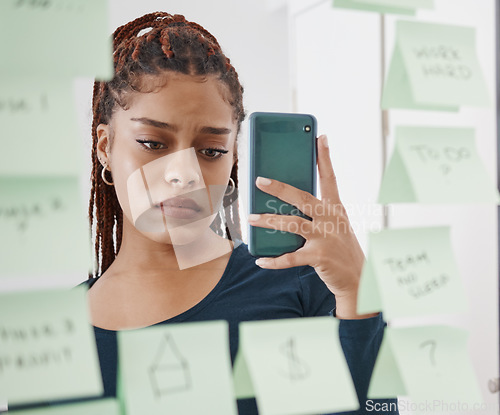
[182,169]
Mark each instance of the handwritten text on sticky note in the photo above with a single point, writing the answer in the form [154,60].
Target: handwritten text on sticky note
[38,218]
[45,336]
[436,165]
[38,128]
[434,67]
[411,272]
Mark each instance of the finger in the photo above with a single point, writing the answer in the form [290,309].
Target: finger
[292,259]
[301,199]
[327,179]
[287,223]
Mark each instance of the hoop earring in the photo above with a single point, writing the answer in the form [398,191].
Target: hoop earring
[233,186]
[103,176]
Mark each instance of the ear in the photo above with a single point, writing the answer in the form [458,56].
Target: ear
[103,132]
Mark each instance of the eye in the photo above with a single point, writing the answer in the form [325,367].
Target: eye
[213,153]
[151,145]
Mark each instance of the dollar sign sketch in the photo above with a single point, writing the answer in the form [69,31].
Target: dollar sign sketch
[297,368]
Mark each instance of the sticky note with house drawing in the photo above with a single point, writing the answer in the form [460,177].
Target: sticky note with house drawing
[180,369]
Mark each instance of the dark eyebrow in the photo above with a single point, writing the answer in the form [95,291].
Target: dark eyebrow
[154,123]
[215,130]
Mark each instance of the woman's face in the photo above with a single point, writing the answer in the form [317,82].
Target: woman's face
[170,155]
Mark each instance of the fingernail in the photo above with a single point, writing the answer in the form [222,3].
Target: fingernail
[263,181]
[253,217]
[261,262]
[324,140]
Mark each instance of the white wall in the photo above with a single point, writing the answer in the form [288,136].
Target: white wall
[338,78]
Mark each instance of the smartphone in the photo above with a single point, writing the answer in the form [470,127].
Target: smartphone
[281,147]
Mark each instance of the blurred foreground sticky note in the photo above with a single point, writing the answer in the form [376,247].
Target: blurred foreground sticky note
[97,407]
[176,369]
[55,38]
[411,272]
[410,4]
[434,67]
[436,165]
[428,364]
[294,366]
[47,347]
[385,6]
[38,127]
[43,226]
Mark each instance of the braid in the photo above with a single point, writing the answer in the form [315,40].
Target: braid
[233,231]
[153,44]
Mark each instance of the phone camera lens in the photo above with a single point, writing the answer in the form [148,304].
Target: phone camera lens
[307,128]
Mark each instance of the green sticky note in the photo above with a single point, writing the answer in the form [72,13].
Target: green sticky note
[428,364]
[38,128]
[410,4]
[436,165]
[177,369]
[434,67]
[47,347]
[43,226]
[411,272]
[55,38]
[98,407]
[295,366]
[372,7]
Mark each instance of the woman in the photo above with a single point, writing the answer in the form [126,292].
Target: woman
[164,159]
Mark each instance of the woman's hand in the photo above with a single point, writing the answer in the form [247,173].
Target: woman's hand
[331,247]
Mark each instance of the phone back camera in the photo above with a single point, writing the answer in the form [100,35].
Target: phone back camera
[307,128]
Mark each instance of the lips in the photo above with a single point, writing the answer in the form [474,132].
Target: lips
[180,208]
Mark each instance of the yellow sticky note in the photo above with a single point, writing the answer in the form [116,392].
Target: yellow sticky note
[47,347]
[43,226]
[176,368]
[434,67]
[436,165]
[430,364]
[55,38]
[287,365]
[411,272]
[38,128]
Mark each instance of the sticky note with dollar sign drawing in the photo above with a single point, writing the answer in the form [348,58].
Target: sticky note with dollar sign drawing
[287,365]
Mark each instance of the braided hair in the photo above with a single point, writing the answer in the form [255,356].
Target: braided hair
[149,46]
